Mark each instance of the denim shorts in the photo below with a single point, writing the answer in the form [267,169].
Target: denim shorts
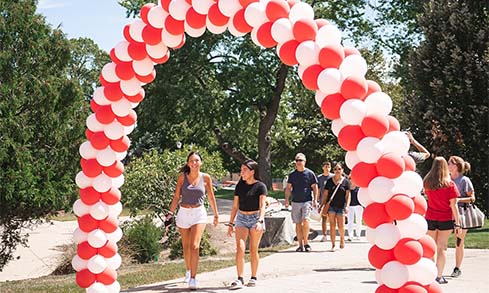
[247,221]
[334,210]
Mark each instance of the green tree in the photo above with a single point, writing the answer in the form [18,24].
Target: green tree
[447,85]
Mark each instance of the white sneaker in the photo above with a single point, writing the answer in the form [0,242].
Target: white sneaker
[324,239]
[357,238]
[192,284]
[237,284]
[187,277]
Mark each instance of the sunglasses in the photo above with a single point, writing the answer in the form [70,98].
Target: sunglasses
[299,160]
[337,169]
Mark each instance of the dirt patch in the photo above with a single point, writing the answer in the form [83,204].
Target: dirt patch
[220,239]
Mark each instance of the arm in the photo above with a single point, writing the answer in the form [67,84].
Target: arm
[211,197]
[287,194]
[469,199]
[176,195]
[234,210]
[453,207]
[347,200]
[263,197]
[315,193]
[417,145]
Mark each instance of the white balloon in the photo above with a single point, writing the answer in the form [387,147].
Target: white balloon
[99,211]
[282,30]
[319,97]
[423,272]
[115,236]
[255,14]
[413,227]
[353,65]
[386,236]
[378,103]
[122,107]
[97,287]
[78,263]
[328,35]
[157,51]
[170,40]
[99,96]
[202,6]
[329,81]
[157,16]
[120,155]
[115,210]
[301,10]
[351,159]
[97,238]
[370,149]
[79,236]
[128,129]
[130,87]
[97,264]
[93,124]
[213,28]
[307,53]
[178,9]
[136,30]
[300,70]
[102,183]
[352,111]
[108,72]
[381,189]
[87,151]
[106,157]
[143,67]
[80,209]
[394,274]
[232,29]
[378,277]
[115,261]
[193,32]
[82,180]
[120,51]
[114,130]
[337,125]
[229,7]
[370,234]
[115,287]
[409,183]
[396,142]
[118,181]
[364,197]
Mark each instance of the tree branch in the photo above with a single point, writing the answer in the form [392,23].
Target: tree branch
[227,148]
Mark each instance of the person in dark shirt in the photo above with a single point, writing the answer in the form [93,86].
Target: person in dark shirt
[303,185]
[321,182]
[247,220]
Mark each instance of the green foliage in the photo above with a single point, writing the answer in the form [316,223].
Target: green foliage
[150,180]
[447,86]
[205,247]
[143,237]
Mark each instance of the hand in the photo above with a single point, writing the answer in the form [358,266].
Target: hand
[168,219]
[230,231]
[410,136]
[259,226]
[314,204]
[286,203]
[216,220]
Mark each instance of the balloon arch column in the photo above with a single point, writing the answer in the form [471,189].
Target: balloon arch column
[376,149]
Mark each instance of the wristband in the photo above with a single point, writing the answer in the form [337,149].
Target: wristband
[231,224]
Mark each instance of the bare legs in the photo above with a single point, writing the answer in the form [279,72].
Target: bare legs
[336,219]
[441,239]
[190,242]
[459,250]
[302,231]
[242,234]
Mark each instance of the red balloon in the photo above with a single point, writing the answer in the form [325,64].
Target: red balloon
[240,23]
[372,87]
[331,56]
[91,167]
[375,214]
[399,207]
[107,277]
[362,173]
[85,250]
[350,136]
[124,70]
[165,4]
[93,105]
[264,35]
[85,278]
[378,257]
[137,51]
[408,251]
[287,52]
[113,92]
[194,19]
[420,205]
[351,51]
[304,29]
[127,36]
[136,98]
[103,82]
[321,22]
[410,164]
[88,133]
[292,2]
[393,124]
[375,125]
[89,196]
[330,106]
[390,165]
[129,119]
[111,197]
[433,288]
[151,36]
[105,114]
[144,11]
[412,287]
[354,87]
[429,246]
[162,59]
[114,170]
[245,3]
[108,250]
[87,223]
[216,17]
[109,224]
[173,26]
[310,76]
[146,78]
[120,145]
[99,141]
[276,9]
[385,289]
[182,42]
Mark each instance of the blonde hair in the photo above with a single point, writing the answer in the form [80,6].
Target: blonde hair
[439,176]
[463,167]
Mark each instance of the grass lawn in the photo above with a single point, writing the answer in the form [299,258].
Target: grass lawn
[229,194]
[478,238]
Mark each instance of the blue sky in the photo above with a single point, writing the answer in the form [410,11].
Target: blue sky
[100,20]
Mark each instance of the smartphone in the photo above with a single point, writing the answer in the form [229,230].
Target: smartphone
[458,241]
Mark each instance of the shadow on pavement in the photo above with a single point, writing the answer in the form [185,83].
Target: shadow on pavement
[173,287]
[344,269]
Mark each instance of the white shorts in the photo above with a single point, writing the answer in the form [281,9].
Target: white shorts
[187,217]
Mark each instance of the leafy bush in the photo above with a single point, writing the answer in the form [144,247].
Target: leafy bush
[206,247]
[143,237]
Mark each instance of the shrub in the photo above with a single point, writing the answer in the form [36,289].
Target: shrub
[143,237]
[206,247]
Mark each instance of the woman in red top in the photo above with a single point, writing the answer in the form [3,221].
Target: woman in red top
[442,214]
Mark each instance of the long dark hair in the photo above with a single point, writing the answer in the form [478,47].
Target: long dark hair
[253,166]
[186,169]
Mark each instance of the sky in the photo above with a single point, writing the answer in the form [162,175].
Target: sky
[100,20]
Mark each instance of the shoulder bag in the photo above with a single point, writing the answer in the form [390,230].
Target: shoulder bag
[470,216]
[326,206]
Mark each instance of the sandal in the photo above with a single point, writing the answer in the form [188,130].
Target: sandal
[300,249]
[307,247]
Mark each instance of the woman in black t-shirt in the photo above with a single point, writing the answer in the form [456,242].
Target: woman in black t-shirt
[249,211]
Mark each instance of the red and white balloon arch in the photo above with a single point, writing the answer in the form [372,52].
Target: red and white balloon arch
[376,149]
